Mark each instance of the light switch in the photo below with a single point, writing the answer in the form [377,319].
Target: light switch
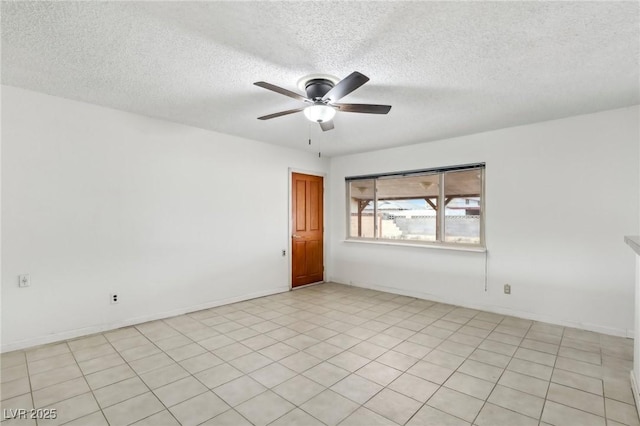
[24,280]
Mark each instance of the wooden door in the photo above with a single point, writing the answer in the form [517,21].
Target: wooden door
[307,238]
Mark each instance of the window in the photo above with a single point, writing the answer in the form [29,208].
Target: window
[404,207]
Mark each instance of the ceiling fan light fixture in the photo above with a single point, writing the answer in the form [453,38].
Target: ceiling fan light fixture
[319,113]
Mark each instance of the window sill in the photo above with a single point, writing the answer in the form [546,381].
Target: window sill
[437,246]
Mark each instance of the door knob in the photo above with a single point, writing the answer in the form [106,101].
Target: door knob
[296,236]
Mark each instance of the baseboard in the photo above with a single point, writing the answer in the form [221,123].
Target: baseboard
[634,390]
[498,310]
[72,334]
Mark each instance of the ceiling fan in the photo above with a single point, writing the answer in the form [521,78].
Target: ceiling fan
[322,94]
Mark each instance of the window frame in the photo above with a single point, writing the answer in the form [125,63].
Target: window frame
[440,214]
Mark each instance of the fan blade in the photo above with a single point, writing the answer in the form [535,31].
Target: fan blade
[282,91]
[326,125]
[366,108]
[346,86]
[280,114]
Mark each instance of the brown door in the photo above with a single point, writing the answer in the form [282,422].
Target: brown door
[307,239]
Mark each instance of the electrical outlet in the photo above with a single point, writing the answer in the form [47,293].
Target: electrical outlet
[24,280]
[507,289]
[284,252]
[113,297]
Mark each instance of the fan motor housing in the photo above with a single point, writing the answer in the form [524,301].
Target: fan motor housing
[317,88]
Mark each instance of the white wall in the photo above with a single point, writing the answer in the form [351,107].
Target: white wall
[170,217]
[560,195]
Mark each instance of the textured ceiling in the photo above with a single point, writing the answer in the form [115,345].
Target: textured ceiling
[448,68]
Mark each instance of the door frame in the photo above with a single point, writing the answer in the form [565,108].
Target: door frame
[323,175]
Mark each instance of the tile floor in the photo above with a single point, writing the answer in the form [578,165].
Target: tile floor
[328,355]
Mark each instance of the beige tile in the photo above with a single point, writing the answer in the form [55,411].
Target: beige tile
[272,375]
[164,375]
[497,347]
[431,372]
[529,368]
[264,408]
[535,356]
[356,388]
[109,376]
[47,351]
[561,415]
[469,385]
[580,367]
[515,400]
[577,399]
[577,381]
[231,352]
[301,341]
[481,370]
[620,390]
[52,377]
[92,352]
[329,407]
[200,362]
[173,342]
[397,360]
[456,348]
[16,403]
[343,341]
[298,389]
[491,358]
[86,342]
[258,342]
[198,409]
[71,409]
[368,350]
[93,419]
[239,390]
[59,392]
[296,417]
[300,361]
[183,352]
[163,418]
[228,418]
[139,352]
[412,349]
[414,387]
[278,351]
[121,333]
[50,363]
[121,391]
[366,417]
[250,362]
[349,361]
[444,359]
[101,363]
[216,342]
[130,342]
[393,405]
[539,346]
[179,391]
[12,359]
[13,373]
[430,416]
[621,412]
[524,383]
[150,363]
[218,375]
[323,350]
[326,374]
[456,404]
[379,373]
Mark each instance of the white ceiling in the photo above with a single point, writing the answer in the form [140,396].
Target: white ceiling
[447,68]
